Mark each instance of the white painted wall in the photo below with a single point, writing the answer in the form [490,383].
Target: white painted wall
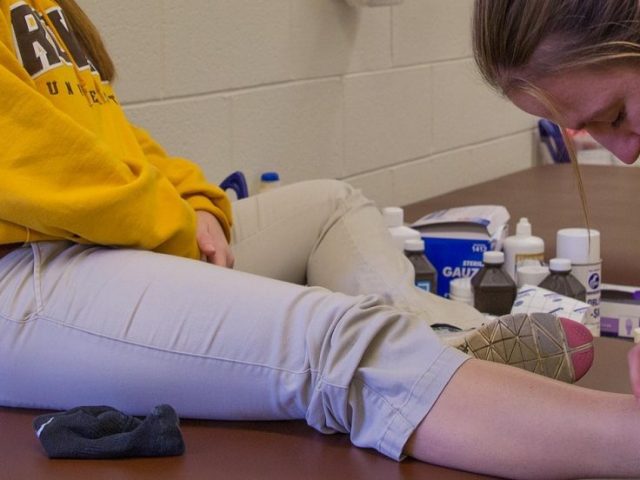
[386,98]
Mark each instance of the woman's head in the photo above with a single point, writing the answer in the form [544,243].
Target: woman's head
[524,40]
[574,61]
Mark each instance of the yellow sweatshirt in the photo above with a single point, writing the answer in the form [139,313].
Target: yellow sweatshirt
[71,165]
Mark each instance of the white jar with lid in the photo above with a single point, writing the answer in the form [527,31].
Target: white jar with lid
[460,290]
[582,247]
[531,274]
[269,181]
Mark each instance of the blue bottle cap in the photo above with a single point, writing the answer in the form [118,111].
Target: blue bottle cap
[270,177]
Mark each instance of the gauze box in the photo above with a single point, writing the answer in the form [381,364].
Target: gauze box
[456,238]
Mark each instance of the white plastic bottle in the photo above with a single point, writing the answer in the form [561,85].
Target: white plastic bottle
[460,290]
[394,220]
[582,247]
[522,249]
[268,181]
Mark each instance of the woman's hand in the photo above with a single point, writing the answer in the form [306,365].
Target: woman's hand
[213,245]
[633,358]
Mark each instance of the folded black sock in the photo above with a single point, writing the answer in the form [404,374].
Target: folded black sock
[104,432]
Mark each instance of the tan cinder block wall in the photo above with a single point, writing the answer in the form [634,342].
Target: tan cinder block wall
[386,98]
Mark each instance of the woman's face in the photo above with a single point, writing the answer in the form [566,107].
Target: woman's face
[604,102]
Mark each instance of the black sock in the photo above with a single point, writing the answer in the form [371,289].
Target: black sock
[104,432]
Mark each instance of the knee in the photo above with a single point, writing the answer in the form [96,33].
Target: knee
[337,189]
[342,194]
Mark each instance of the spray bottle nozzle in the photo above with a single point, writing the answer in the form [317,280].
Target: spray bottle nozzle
[523,228]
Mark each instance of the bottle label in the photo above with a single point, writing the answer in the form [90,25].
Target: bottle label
[528,259]
[424,285]
[590,275]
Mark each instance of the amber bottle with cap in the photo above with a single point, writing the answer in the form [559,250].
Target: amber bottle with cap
[494,291]
[426,276]
[560,280]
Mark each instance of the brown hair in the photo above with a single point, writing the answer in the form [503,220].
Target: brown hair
[516,42]
[89,38]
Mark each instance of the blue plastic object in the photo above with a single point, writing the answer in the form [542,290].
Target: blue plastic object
[550,135]
[270,177]
[236,182]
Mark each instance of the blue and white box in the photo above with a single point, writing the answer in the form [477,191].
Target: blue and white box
[456,238]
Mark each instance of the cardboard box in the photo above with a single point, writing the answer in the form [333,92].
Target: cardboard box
[456,238]
[619,310]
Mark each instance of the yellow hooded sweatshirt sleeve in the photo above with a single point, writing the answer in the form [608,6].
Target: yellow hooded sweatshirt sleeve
[71,166]
[188,180]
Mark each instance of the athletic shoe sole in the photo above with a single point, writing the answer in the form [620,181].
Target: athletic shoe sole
[538,342]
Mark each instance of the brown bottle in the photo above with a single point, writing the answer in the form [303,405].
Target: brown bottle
[494,291]
[426,276]
[561,281]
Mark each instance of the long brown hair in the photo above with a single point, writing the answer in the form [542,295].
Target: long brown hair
[89,37]
[516,42]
